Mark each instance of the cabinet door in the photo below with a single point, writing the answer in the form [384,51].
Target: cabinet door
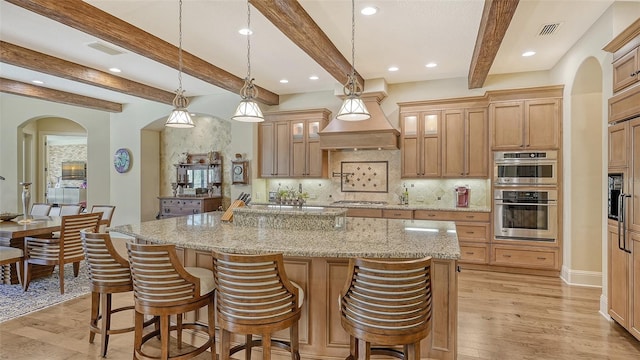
[542,120]
[410,148]
[618,279]
[625,70]
[477,150]
[266,139]
[282,149]
[454,145]
[634,326]
[618,145]
[298,150]
[507,124]
[316,158]
[430,134]
[634,177]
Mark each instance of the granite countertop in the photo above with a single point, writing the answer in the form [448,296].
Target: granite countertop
[362,237]
[438,207]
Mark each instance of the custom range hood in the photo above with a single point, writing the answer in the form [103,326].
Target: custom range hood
[374,133]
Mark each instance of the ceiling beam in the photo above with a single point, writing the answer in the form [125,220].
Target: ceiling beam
[63,97]
[33,60]
[95,22]
[496,17]
[293,21]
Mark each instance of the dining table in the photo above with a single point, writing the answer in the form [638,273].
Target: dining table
[13,232]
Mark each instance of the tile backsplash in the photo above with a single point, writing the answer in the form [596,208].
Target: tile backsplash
[421,192]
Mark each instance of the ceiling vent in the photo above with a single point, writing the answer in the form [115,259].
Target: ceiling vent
[549,29]
[105,48]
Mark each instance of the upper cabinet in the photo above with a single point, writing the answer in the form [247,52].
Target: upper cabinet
[527,124]
[420,144]
[626,70]
[289,145]
[625,104]
[465,148]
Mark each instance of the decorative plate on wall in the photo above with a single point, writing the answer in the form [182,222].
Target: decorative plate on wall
[122,160]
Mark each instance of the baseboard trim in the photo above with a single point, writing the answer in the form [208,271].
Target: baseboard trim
[581,278]
[604,307]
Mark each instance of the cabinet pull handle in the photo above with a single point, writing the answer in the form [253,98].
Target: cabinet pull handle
[633,74]
[506,255]
[542,258]
[397,214]
[431,215]
[469,253]
[471,232]
[470,216]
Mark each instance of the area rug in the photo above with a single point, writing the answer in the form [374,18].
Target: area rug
[42,293]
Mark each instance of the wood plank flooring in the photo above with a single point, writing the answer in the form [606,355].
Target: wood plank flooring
[501,316]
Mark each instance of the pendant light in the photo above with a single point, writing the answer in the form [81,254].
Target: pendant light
[353,108]
[248,109]
[179,117]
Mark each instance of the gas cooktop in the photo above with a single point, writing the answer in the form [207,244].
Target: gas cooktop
[359,202]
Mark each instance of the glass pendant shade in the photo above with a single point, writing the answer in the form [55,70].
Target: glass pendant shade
[180,117]
[248,111]
[353,109]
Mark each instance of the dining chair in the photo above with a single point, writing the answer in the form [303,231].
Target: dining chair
[10,255]
[54,211]
[255,297]
[107,214]
[70,209]
[162,287]
[40,209]
[59,250]
[386,303]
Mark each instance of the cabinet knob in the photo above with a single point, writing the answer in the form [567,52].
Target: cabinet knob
[633,74]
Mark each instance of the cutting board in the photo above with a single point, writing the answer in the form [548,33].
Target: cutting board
[228,215]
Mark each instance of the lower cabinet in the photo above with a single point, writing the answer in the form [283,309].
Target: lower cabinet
[528,257]
[182,206]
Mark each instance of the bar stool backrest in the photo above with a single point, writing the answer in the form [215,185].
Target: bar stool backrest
[108,270]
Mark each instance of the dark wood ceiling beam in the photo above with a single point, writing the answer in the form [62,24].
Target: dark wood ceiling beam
[293,21]
[33,60]
[63,97]
[95,22]
[496,18]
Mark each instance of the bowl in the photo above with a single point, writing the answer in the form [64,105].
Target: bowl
[8,216]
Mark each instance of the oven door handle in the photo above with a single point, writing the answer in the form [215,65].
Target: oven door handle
[550,203]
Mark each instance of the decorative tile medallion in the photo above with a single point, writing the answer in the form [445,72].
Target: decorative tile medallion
[364,176]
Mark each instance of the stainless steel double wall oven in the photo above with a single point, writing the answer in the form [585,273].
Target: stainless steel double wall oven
[526,195]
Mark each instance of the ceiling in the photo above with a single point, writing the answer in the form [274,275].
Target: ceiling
[407,34]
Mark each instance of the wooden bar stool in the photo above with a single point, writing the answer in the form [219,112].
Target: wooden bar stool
[254,296]
[387,303]
[163,287]
[109,273]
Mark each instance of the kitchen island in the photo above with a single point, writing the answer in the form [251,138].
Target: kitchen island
[317,260]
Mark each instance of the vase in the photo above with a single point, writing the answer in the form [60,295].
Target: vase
[26,197]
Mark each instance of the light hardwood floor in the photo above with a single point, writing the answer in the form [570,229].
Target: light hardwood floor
[501,316]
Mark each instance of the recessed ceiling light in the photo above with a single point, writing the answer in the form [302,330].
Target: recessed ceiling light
[39,82]
[369,10]
[245,31]
[115,70]
[393,68]
[313,77]
[431,65]
[284,81]
[528,53]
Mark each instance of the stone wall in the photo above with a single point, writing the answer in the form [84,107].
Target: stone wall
[56,154]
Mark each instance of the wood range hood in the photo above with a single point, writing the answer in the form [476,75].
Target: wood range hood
[374,133]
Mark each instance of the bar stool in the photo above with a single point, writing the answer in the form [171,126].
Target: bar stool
[109,273]
[254,296]
[387,303]
[163,287]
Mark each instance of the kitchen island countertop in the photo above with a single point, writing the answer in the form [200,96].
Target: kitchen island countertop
[362,237]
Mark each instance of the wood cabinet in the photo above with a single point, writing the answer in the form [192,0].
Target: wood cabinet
[182,206]
[289,145]
[397,214]
[274,141]
[525,124]
[617,154]
[626,70]
[618,278]
[465,149]
[420,144]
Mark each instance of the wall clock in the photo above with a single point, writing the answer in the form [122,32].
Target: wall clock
[239,172]
[122,160]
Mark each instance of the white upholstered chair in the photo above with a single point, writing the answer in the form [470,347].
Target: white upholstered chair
[40,209]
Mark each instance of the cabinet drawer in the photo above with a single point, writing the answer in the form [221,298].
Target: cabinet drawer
[370,213]
[397,214]
[451,215]
[473,253]
[475,233]
[545,259]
